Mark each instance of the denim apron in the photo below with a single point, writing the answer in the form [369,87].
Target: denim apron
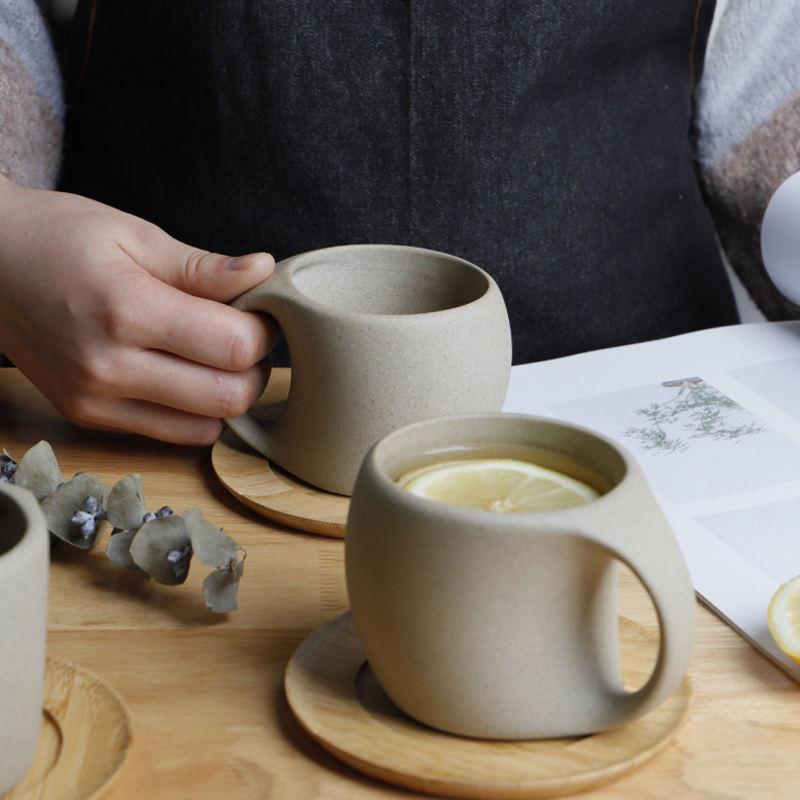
[547,141]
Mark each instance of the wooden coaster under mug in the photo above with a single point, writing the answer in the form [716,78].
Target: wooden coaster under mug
[380,336]
[275,494]
[84,740]
[337,701]
[266,488]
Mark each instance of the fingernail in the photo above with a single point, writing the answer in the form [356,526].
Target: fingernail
[241,263]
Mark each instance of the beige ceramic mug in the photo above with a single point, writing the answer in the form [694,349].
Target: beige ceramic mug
[24,547]
[379,336]
[504,626]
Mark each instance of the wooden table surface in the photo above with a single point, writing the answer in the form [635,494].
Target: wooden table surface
[205,691]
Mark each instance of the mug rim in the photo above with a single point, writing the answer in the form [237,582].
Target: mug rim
[289,268]
[28,506]
[372,462]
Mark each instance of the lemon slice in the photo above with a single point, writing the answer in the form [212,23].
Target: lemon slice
[497,484]
[783,618]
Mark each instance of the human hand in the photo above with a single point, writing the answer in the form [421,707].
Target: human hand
[121,326]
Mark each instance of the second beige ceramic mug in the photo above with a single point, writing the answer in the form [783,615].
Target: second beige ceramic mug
[379,336]
[504,626]
[24,554]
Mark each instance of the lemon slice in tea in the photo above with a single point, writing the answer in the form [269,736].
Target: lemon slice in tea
[783,618]
[497,484]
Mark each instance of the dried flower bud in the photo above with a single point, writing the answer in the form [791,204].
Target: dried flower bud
[75,511]
[164,511]
[179,560]
[7,467]
[88,517]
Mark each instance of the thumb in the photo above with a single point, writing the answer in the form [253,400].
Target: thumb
[209,275]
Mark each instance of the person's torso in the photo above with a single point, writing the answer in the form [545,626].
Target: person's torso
[548,142]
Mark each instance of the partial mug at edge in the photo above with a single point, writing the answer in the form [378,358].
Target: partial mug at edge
[24,554]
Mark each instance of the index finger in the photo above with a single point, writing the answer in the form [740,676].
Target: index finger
[206,331]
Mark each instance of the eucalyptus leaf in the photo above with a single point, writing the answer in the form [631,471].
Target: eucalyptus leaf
[126,508]
[162,548]
[38,471]
[221,587]
[209,543]
[118,550]
[75,511]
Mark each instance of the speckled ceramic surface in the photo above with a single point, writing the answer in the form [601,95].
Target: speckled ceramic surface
[379,336]
[504,626]
[24,546]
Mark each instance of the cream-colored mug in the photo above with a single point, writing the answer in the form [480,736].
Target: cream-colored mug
[504,626]
[379,336]
[24,549]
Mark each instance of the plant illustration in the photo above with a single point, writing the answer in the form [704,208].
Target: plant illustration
[695,411]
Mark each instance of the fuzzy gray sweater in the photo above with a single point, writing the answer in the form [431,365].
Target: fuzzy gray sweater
[747,119]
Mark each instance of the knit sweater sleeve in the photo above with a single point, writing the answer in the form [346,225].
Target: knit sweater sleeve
[748,130]
[31,100]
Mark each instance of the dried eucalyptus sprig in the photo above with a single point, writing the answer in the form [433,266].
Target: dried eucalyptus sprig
[159,544]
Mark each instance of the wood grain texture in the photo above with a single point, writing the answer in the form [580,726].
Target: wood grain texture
[205,692]
[275,494]
[85,738]
[337,700]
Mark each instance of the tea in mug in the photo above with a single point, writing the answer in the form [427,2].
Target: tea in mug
[505,483]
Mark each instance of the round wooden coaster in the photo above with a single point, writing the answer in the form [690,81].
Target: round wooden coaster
[85,737]
[337,701]
[265,487]
[275,494]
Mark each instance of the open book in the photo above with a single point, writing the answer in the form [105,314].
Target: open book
[713,417]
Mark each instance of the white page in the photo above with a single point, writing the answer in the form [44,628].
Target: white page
[720,446]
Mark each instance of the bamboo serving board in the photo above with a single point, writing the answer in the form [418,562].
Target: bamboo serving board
[338,702]
[85,738]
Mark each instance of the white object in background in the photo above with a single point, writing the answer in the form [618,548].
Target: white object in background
[731,490]
[780,238]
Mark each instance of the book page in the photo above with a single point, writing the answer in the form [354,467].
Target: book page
[713,418]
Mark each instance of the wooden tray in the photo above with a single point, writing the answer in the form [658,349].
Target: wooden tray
[338,702]
[85,738]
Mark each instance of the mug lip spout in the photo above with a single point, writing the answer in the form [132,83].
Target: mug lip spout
[32,520]
[294,264]
[374,459]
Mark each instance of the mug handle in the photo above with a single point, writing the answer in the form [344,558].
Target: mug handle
[658,563]
[258,432]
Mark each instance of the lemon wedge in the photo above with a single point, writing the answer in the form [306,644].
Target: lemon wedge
[497,484]
[783,618]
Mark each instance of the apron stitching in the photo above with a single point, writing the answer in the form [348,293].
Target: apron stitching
[88,46]
[693,46]
[409,120]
